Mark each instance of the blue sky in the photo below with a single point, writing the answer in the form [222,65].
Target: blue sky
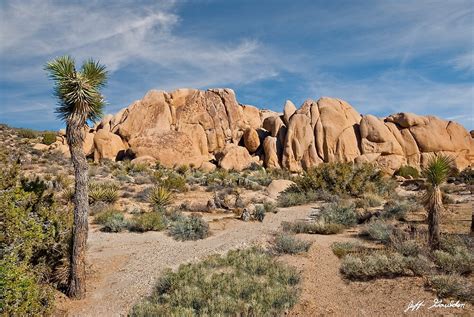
[380,56]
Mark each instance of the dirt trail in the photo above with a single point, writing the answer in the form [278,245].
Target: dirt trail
[124,266]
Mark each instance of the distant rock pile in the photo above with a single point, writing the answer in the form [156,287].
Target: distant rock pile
[210,128]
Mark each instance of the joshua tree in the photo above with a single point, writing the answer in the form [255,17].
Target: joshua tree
[436,173]
[79,101]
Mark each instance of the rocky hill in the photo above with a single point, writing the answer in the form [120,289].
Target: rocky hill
[210,128]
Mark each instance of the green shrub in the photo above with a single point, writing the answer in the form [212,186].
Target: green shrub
[151,221]
[446,286]
[189,228]
[312,227]
[378,230]
[398,209]
[26,133]
[103,216]
[461,261]
[369,200]
[342,212]
[115,223]
[408,247]
[345,178]
[21,294]
[35,237]
[374,265]
[182,169]
[408,171]
[103,192]
[241,283]
[49,138]
[288,199]
[259,213]
[270,207]
[160,197]
[467,176]
[285,243]
[341,249]
[173,182]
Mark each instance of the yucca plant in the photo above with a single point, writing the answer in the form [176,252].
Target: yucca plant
[160,197]
[436,173]
[79,101]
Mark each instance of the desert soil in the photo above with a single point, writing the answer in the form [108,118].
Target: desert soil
[123,268]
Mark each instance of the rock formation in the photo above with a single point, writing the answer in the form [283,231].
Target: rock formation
[210,128]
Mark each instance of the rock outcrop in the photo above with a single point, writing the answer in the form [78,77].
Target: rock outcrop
[209,128]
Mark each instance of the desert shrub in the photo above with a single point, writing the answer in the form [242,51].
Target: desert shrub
[452,243]
[345,178]
[182,169]
[342,212]
[270,207]
[114,223]
[467,176]
[408,247]
[242,283]
[103,216]
[286,243]
[294,197]
[174,182]
[104,192]
[68,194]
[150,221]
[26,133]
[373,265]
[21,292]
[408,171]
[341,249]
[447,199]
[135,168]
[189,228]
[378,230]
[259,213]
[398,209]
[312,227]
[160,197]
[288,199]
[461,261]
[369,200]
[34,240]
[49,138]
[452,286]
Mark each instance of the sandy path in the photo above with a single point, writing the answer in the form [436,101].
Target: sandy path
[124,266]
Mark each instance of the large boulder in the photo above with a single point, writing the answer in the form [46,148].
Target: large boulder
[169,149]
[234,157]
[271,159]
[278,186]
[252,116]
[288,110]
[299,150]
[108,146]
[336,130]
[251,140]
[151,115]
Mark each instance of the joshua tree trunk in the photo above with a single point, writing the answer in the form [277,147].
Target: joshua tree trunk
[75,139]
[472,223]
[434,209]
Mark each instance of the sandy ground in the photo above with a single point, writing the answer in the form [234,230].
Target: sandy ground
[124,266]
[325,293]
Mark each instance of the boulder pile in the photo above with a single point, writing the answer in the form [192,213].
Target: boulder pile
[210,128]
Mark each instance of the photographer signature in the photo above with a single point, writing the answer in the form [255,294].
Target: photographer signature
[437,303]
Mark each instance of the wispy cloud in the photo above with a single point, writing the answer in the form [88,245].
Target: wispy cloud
[383,56]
